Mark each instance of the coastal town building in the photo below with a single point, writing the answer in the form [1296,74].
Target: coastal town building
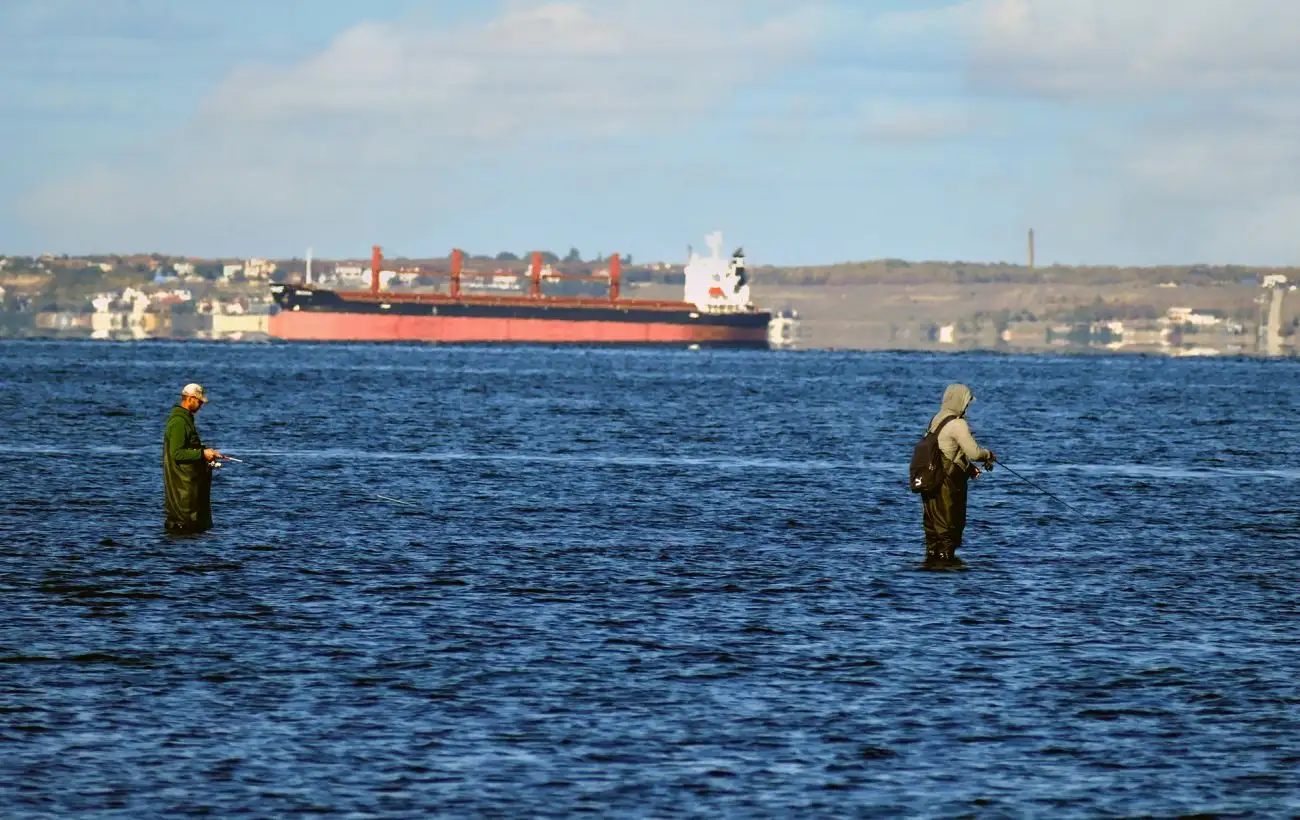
[258,269]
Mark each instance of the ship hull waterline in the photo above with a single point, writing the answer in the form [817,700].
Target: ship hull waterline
[366,327]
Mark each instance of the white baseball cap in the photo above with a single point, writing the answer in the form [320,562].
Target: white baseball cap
[195,390]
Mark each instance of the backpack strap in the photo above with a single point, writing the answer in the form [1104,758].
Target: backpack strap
[952,465]
[942,423]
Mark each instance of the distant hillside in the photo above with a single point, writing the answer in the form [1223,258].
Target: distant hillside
[902,272]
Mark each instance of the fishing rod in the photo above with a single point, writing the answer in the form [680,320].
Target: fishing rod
[377,495]
[1048,493]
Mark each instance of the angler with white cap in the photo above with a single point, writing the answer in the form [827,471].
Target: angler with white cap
[187,467]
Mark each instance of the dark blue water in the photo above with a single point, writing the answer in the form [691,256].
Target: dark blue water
[644,583]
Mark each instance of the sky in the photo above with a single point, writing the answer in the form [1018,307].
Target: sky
[1124,132]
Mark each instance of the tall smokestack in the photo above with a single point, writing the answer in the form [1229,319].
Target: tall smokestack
[1031,248]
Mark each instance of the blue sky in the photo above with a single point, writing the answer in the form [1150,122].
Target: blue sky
[811,131]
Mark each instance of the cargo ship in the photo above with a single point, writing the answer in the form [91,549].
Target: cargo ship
[715,310]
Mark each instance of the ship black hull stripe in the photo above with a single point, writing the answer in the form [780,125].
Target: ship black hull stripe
[318,302]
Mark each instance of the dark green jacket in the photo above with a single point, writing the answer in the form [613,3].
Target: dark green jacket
[187,477]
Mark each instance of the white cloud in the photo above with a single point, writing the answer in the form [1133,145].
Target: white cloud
[73,21]
[1088,47]
[905,121]
[1184,115]
[1226,179]
[1082,48]
[883,119]
[406,106]
[559,65]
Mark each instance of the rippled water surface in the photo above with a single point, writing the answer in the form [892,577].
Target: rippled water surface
[534,582]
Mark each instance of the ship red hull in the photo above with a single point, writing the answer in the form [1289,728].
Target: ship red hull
[329,326]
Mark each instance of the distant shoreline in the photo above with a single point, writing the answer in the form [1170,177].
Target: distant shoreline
[878,305]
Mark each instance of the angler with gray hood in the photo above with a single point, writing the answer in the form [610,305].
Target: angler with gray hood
[944,510]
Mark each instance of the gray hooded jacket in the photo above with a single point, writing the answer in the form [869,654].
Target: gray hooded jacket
[955,440]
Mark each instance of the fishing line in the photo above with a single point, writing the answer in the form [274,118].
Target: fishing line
[363,492]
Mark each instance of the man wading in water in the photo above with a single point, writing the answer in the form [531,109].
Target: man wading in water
[944,510]
[187,467]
